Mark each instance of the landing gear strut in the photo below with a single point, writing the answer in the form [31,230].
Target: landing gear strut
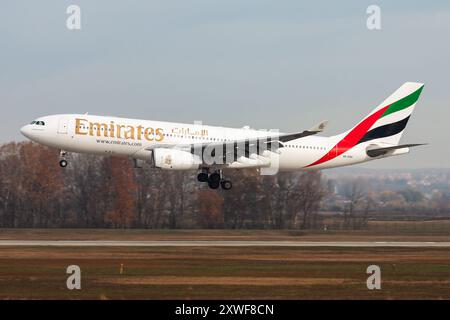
[63,162]
[214,180]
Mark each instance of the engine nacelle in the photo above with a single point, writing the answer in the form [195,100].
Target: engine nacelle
[174,159]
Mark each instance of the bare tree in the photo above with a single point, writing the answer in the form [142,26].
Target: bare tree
[310,196]
[357,195]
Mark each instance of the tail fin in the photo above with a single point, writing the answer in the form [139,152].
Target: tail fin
[387,122]
[384,125]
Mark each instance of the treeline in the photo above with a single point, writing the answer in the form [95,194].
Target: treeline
[357,197]
[108,192]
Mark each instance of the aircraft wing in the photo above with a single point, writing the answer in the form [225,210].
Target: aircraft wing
[248,151]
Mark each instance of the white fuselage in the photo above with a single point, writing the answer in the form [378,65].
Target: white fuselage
[135,138]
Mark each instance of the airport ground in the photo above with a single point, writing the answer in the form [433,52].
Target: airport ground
[214,272]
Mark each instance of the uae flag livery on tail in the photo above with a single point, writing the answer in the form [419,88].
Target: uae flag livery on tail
[385,124]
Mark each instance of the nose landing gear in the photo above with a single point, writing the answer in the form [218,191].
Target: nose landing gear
[63,162]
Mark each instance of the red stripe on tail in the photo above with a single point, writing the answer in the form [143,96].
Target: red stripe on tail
[352,138]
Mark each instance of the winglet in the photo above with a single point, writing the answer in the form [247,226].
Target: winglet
[319,127]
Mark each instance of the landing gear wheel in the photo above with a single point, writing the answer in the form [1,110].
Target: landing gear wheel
[214,177]
[63,163]
[226,184]
[214,180]
[202,177]
[213,184]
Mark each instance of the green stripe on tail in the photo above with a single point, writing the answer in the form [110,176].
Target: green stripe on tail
[403,103]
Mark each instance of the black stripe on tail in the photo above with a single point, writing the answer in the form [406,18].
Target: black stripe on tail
[385,131]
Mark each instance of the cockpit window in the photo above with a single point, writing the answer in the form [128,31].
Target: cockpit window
[38,123]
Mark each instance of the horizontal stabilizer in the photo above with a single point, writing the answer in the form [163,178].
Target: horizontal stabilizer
[376,152]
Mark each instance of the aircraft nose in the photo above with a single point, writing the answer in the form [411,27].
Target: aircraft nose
[25,130]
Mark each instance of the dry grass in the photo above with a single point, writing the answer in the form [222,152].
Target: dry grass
[377,231]
[224,273]
[228,272]
[221,281]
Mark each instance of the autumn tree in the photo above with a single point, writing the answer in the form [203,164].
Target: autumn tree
[209,209]
[9,186]
[40,184]
[123,188]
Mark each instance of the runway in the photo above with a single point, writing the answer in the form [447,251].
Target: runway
[219,243]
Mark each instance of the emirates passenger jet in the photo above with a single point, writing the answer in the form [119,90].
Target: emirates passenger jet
[211,149]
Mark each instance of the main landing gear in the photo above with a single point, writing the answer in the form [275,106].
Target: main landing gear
[214,180]
[63,162]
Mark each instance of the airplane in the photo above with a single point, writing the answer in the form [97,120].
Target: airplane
[211,149]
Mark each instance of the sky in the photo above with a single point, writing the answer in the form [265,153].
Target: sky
[267,64]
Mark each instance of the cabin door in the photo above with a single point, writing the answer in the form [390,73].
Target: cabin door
[63,126]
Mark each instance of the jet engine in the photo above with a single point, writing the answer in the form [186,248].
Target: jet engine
[174,159]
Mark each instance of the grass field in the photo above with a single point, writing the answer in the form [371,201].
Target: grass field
[226,272]
[377,231]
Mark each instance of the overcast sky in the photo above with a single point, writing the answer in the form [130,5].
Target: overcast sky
[267,64]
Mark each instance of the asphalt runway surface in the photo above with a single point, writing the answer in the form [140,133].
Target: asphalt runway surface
[219,243]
